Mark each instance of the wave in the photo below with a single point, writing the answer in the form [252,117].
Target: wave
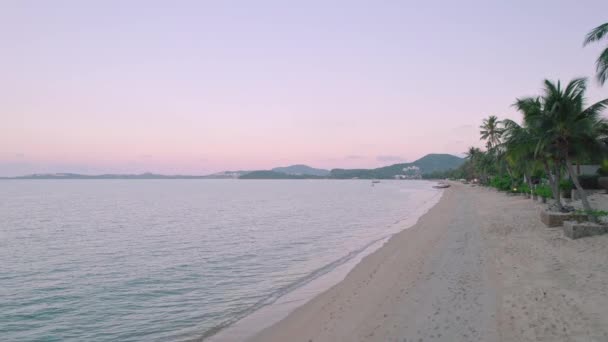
[300,282]
[273,297]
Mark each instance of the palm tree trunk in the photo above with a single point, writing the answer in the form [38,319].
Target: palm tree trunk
[558,200]
[529,182]
[553,184]
[528,179]
[579,188]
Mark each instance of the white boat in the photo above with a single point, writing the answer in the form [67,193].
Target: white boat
[441,186]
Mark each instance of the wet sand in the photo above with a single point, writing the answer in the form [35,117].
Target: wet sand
[479,266]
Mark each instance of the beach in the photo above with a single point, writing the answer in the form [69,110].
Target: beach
[479,266]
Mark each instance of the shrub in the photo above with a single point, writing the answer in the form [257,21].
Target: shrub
[603,170]
[589,182]
[524,189]
[566,187]
[502,183]
[594,213]
[544,191]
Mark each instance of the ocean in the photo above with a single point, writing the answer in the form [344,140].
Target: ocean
[183,260]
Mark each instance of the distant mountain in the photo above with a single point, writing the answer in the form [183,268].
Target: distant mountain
[427,164]
[105,176]
[266,174]
[227,174]
[301,170]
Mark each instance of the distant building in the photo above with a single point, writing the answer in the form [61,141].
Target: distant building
[410,172]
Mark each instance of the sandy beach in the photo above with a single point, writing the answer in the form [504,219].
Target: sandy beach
[479,266]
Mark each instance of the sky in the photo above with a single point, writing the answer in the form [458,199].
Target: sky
[196,87]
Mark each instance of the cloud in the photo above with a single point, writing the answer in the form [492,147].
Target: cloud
[389,158]
[19,155]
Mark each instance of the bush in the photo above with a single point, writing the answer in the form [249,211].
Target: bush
[502,183]
[524,189]
[566,187]
[594,213]
[603,170]
[589,182]
[544,191]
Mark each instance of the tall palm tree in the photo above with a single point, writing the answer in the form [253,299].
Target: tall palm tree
[472,155]
[491,131]
[519,145]
[568,127]
[601,65]
[532,109]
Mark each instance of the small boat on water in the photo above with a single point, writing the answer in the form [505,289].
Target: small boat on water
[375,181]
[441,186]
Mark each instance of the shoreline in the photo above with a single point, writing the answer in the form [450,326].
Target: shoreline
[478,266]
[264,317]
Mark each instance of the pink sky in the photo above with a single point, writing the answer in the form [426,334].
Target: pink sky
[200,87]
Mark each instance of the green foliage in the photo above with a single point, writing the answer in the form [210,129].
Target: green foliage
[589,182]
[594,213]
[543,191]
[603,170]
[502,183]
[566,186]
[601,64]
[524,188]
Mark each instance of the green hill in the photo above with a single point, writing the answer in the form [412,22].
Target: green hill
[427,164]
[301,170]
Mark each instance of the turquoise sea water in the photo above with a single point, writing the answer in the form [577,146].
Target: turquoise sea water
[177,260]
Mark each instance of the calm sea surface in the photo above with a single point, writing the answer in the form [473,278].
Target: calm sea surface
[174,260]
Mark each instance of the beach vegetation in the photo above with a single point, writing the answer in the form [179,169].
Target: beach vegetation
[544,191]
[524,188]
[566,186]
[592,213]
[491,131]
[603,170]
[601,64]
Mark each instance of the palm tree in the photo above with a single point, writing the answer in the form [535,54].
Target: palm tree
[490,131]
[529,134]
[472,155]
[601,65]
[566,127]
[519,145]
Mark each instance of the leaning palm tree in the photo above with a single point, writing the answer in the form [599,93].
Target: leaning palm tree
[601,65]
[568,127]
[491,131]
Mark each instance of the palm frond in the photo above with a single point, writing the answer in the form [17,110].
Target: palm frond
[595,109]
[596,34]
[601,67]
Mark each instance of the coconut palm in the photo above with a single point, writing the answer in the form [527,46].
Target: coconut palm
[519,145]
[601,65]
[473,154]
[566,127]
[491,131]
[529,134]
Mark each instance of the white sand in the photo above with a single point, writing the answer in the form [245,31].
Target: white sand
[478,267]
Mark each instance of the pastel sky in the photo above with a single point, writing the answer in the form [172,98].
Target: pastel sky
[195,87]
